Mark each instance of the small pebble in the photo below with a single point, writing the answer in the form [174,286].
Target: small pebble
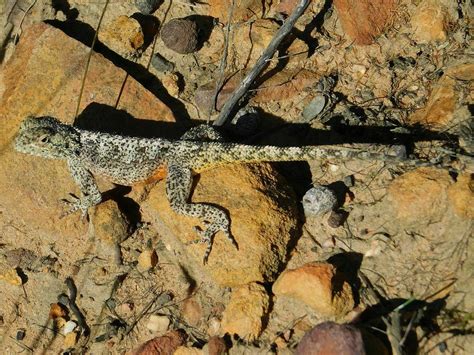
[147,7]
[214,327]
[70,340]
[336,219]
[158,324]
[69,327]
[170,82]
[314,108]
[180,35]
[349,180]
[161,64]
[399,151]
[111,303]
[56,310]
[147,259]
[125,308]
[245,123]
[20,334]
[319,200]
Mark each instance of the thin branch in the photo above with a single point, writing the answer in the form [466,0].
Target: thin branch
[223,63]
[89,58]
[261,63]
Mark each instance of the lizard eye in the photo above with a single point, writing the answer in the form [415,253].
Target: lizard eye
[44,138]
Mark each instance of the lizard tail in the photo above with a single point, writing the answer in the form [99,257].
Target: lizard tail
[230,152]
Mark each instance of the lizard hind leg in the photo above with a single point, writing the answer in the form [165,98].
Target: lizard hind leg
[178,189]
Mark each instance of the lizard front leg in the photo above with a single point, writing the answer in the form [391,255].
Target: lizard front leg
[91,195]
[178,189]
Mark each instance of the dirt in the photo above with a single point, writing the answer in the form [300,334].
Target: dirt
[403,78]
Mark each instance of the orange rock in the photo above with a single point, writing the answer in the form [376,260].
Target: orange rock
[244,313]
[439,110]
[420,195]
[110,224]
[428,22]
[364,20]
[461,196]
[123,35]
[285,85]
[319,286]
[263,219]
[57,310]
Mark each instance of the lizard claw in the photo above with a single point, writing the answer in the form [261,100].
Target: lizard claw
[74,205]
[207,236]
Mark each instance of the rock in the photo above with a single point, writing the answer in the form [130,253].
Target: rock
[180,35]
[52,67]
[243,9]
[214,327]
[147,259]
[216,346]
[244,314]
[161,64]
[11,276]
[319,285]
[165,344]
[314,108]
[57,310]
[439,110]
[171,83]
[319,200]
[245,122]
[147,7]
[185,350]
[330,338]
[463,71]
[158,324]
[461,196]
[429,22]
[70,340]
[419,196]
[285,85]
[263,219]
[204,95]
[69,327]
[365,20]
[123,35]
[192,311]
[110,224]
[20,334]
[337,219]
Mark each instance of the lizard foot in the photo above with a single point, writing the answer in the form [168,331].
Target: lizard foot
[74,204]
[206,236]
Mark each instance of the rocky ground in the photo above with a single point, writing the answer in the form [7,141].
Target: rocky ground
[387,257]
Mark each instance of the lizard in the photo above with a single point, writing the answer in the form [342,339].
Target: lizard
[126,160]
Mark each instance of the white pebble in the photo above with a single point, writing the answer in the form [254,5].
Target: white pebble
[69,327]
[319,200]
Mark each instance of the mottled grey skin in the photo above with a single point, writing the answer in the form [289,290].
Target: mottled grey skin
[127,160]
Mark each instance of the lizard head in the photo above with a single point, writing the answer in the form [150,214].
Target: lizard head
[47,137]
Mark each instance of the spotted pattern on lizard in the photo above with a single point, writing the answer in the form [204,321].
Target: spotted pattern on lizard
[128,160]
